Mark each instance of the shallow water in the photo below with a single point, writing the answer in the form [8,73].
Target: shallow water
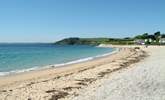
[23,57]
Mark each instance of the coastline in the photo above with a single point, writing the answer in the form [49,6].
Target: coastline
[38,68]
[53,67]
[60,75]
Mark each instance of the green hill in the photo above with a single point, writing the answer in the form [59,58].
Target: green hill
[93,41]
[153,39]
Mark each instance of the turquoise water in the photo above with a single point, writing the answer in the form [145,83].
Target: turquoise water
[16,58]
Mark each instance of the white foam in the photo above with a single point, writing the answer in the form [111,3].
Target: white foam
[18,71]
[73,62]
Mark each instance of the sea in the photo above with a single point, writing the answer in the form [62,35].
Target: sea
[23,57]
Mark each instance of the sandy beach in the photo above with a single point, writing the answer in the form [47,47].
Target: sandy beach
[129,74]
[144,80]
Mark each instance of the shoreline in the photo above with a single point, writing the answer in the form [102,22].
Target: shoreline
[21,71]
[61,79]
[8,77]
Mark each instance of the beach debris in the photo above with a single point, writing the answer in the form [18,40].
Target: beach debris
[10,90]
[87,80]
[29,98]
[83,70]
[82,83]
[102,74]
[50,91]
[3,90]
[30,83]
[71,88]
[57,94]
[45,80]
[57,77]
[68,74]
[87,68]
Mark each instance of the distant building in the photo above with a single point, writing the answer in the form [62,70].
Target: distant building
[162,41]
[145,40]
[150,40]
[139,41]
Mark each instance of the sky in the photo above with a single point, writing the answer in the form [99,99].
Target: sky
[52,20]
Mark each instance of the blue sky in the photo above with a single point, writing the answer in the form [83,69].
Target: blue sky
[51,20]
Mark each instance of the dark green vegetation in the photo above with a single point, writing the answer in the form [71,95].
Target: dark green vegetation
[154,39]
[93,41]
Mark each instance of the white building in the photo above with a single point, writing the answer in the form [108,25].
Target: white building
[139,41]
[162,40]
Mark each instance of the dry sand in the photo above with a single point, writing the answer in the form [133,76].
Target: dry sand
[141,81]
[98,79]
